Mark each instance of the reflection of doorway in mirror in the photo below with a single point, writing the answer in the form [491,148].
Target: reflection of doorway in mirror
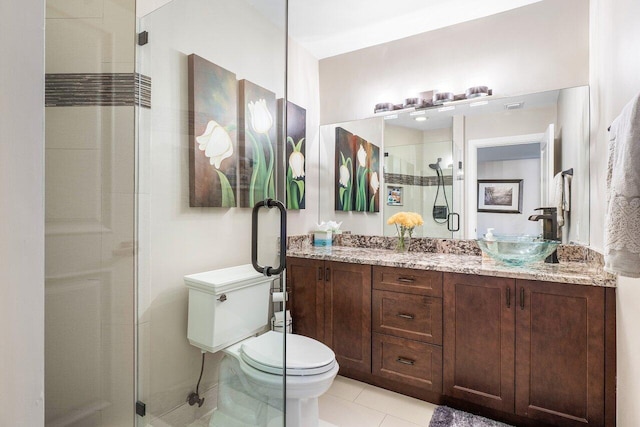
[506,158]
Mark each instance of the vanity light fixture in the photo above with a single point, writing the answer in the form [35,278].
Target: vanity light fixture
[391,117]
[421,119]
[476,91]
[449,108]
[478,103]
[440,98]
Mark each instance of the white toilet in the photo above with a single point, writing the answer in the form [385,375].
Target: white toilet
[227,308]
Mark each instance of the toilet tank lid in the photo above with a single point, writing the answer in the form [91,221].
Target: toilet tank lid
[225,279]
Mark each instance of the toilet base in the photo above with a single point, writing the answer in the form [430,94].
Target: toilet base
[241,402]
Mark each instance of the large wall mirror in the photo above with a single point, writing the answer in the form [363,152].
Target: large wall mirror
[435,161]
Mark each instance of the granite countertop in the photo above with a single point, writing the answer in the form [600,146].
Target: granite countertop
[580,273]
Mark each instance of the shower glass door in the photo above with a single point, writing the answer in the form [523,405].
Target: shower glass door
[211,77]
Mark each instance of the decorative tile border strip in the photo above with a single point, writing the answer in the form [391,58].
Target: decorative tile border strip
[424,181]
[97,89]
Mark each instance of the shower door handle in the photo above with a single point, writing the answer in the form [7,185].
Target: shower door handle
[450,222]
[266,270]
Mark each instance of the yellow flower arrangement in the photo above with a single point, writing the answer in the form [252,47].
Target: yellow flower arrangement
[405,223]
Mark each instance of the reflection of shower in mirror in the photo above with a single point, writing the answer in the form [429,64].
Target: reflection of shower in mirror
[440,213]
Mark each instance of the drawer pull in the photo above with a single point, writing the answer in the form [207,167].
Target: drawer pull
[406,316]
[405,361]
[406,279]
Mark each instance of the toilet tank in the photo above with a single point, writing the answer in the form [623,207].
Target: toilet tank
[226,306]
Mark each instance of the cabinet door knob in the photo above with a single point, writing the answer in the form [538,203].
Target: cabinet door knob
[406,316]
[405,361]
[222,298]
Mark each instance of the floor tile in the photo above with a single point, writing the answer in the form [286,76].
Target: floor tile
[346,388]
[398,405]
[343,413]
[391,421]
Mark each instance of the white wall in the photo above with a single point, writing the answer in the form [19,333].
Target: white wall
[175,239]
[614,37]
[530,49]
[22,213]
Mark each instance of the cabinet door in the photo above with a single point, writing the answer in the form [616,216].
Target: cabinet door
[560,353]
[348,314]
[479,340]
[305,280]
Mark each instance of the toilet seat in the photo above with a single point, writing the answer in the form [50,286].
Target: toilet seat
[305,356]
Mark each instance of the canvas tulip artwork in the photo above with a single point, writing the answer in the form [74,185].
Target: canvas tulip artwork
[213,134]
[257,138]
[357,179]
[295,153]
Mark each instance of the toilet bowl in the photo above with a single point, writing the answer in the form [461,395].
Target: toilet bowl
[251,381]
[227,308]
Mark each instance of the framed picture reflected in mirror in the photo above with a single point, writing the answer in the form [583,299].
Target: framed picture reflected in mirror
[500,195]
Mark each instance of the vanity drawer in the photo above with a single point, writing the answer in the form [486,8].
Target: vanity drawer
[410,316]
[421,282]
[407,361]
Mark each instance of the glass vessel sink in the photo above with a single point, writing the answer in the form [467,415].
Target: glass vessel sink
[518,249]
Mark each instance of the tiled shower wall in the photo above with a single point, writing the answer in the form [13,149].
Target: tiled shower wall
[89,213]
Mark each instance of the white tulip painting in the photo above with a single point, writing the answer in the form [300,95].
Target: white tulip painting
[357,179]
[257,143]
[213,117]
[295,154]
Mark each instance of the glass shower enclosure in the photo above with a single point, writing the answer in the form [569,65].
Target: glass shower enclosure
[212,81]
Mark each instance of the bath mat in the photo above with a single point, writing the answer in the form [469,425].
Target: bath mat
[444,416]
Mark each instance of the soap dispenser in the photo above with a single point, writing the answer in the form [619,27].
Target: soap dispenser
[488,237]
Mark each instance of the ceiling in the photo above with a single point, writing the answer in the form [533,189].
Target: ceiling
[332,27]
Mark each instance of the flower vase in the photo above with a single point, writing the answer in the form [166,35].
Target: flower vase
[404,241]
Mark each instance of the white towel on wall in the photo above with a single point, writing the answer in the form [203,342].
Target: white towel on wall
[622,220]
[567,192]
[558,198]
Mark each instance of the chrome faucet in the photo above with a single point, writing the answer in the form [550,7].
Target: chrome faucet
[549,217]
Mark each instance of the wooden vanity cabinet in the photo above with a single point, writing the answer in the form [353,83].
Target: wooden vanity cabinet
[407,327]
[479,339]
[331,302]
[560,352]
[534,349]
[305,284]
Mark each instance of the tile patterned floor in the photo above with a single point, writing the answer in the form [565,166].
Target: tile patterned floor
[350,403]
